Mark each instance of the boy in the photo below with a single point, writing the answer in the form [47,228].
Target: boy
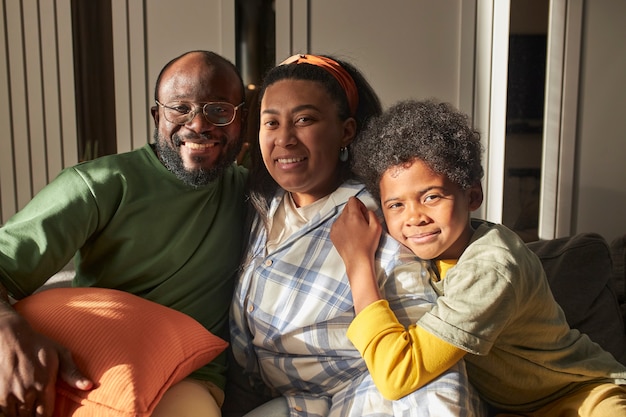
[495,310]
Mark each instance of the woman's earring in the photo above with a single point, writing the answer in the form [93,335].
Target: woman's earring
[343,154]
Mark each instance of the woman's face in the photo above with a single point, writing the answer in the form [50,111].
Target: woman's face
[300,137]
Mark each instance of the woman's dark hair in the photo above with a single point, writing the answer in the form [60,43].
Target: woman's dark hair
[262,185]
[430,131]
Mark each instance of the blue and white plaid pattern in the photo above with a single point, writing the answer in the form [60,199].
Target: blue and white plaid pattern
[292,308]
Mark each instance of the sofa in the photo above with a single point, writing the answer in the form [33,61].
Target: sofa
[586,275]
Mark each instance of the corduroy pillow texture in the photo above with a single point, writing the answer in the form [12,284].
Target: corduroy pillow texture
[132,348]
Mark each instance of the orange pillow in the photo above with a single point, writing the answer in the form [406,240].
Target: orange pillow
[133,349]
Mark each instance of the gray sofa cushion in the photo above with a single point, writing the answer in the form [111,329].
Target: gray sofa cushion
[579,269]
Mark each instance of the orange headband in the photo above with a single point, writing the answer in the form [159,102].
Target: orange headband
[341,75]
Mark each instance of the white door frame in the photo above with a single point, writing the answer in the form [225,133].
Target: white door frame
[561,108]
[561,98]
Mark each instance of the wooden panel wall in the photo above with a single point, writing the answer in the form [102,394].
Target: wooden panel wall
[37,101]
[37,106]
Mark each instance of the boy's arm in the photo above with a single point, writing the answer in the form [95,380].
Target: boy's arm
[400,360]
[356,235]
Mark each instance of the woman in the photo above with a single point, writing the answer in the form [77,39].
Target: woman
[293,304]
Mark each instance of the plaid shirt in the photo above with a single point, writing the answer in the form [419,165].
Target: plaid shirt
[292,308]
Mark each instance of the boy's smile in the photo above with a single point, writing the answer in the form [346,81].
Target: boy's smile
[426,212]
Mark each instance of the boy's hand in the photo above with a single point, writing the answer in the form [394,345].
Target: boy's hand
[356,232]
[30,365]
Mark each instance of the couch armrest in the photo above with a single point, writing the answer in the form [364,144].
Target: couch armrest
[579,271]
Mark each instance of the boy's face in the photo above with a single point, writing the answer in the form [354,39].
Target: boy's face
[426,212]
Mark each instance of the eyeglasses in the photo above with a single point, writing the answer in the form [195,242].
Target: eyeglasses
[218,113]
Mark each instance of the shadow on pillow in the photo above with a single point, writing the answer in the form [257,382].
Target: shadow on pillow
[132,348]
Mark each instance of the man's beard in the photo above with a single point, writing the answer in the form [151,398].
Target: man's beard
[172,160]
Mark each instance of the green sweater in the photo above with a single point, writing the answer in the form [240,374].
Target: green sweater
[133,226]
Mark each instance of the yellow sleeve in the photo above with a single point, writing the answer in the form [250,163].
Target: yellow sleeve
[400,360]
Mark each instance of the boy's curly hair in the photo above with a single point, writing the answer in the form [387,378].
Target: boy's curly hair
[433,132]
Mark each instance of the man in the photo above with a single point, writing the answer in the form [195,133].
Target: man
[163,222]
